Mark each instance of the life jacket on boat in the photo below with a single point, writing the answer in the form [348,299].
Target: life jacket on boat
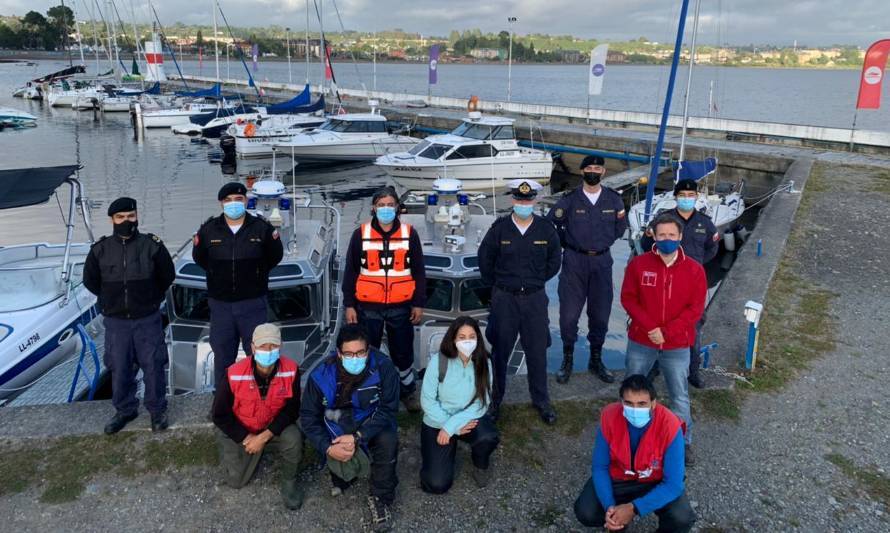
[385,272]
[253,411]
[648,462]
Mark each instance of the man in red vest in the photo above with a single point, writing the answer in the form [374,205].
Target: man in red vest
[384,286]
[638,464]
[256,410]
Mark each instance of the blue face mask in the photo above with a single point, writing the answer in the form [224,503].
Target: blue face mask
[233,210]
[685,204]
[637,416]
[266,358]
[667,246]
[385,215]
[354,365]
[523,211]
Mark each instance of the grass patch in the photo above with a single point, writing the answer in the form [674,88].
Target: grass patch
[717,403]
[875,484]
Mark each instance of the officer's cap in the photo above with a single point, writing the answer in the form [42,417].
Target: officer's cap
[685,185]
[122,205]
[233,187]
[524,189]
[267,334]
[592,160]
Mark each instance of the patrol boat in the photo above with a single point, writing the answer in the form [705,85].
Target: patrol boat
[44,299]
[303,297]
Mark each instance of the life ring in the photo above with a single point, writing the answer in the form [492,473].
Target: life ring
[249,130]
[239,121]
[473,104]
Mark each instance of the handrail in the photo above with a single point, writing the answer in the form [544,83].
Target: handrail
[86,342]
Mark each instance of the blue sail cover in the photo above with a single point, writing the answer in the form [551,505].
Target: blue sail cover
[696,170]
[301,99]
[311,108]
[154,89]
[213,92]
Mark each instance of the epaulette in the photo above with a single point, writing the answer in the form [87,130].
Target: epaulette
[155,238]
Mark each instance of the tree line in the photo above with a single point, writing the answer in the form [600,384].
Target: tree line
[35,31]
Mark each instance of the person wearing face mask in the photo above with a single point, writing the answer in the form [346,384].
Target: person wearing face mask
[664,296]
[700,242]
[348,414]
[638,466]
[589,221]
[256,410]
[455,395]
[130,273]
[517,256]
[384,285]
[237,250]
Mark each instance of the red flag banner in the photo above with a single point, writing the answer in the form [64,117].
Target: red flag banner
[328,73]
[873,75]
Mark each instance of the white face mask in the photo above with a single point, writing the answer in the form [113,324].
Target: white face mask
[466,347]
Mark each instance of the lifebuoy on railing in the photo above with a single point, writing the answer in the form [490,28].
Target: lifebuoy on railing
[473,104]
[249,130]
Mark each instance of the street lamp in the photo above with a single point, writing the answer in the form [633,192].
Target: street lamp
[290,77]
[510,20]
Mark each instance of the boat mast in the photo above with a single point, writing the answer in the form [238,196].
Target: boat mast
[689,83]
[95,34]
[65,42]
[79,40]
[136,41]
[307,42]
[215,43]
[113,39]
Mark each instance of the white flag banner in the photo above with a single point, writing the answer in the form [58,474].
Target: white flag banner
[597,69]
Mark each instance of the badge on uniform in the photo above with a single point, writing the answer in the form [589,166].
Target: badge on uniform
[649,278]
[525,188]
[559,212]
[621,214]
[195,240]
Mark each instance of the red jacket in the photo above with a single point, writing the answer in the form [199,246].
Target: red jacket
[668,297]
[254,412]
[648,463]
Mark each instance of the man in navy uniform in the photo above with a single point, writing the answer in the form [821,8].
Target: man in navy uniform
[701,242]
[237,250]
[130,272]
[518,255]
[589,220]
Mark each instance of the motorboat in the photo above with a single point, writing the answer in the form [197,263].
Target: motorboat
[303,297]
[482,152]
[212,123]
[347,137]
[256,138]
[15,118]
[62,94]
[44,299]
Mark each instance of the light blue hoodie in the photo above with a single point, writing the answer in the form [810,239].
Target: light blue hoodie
[447,405]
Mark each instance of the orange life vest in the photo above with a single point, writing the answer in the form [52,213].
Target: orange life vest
[385,273]
[254,412]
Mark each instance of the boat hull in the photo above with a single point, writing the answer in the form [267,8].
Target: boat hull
[473,177]
[350,151]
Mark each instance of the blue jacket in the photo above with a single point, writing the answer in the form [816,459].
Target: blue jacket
[375,403]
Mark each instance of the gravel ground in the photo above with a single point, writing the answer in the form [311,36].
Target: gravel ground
[766,471]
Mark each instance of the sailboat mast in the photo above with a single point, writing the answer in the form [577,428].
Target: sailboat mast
[95,33]
[689,82]
[307,42]
[114,49]
[79,40]
[136,41]
[215,43]
[65,42]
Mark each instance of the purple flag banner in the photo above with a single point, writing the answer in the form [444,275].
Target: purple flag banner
[255,53]
[434,64]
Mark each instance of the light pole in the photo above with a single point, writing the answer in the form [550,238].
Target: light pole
[511,20]
[290,77]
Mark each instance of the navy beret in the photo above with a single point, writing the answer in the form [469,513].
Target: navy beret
[592,160]
[122,205]
[233,187]
[686,185]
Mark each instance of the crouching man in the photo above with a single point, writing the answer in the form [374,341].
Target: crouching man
[349,415]
[638,464]
[256,410]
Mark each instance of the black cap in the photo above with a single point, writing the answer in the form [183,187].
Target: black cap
[233,187]
[685,185]
[592,160]
[122,205]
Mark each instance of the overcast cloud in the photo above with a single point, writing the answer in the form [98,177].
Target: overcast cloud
[810,22]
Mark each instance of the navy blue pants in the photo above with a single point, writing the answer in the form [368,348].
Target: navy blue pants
[396,321]
[585,279]
[130,345]
[524,316]
[231,323]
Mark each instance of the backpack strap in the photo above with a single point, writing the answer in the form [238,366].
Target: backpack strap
[443,367]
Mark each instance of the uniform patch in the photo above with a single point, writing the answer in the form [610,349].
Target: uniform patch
[701,230]
[580,211]
[195,240]
[505,242]
[525,188]
[621,214]
[559,212]
[542,242]
[215,241]
[156,239]
[605,211]
[275,234]
[716,237]
[649,278]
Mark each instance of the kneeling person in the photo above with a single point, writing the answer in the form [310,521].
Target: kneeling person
[638,464]
[349,414]
[455,395]
[256,410]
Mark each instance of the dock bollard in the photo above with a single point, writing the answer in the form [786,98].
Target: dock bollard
[753,310]
[759,247]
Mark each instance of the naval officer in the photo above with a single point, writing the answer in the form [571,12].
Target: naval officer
[589,220]
[518,255]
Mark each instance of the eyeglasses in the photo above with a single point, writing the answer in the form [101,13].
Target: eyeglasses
[355,355]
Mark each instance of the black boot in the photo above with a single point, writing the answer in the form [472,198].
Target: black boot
[565,371]
[595,366]
[695,379]
[118,422]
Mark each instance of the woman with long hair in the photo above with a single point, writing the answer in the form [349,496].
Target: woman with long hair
[455,395]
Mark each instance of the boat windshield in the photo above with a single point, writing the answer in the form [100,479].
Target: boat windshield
[436,151]
[419,147]
[475,294]
[32,287]
[290,303]
[439,294]
[354,126]
[473,131]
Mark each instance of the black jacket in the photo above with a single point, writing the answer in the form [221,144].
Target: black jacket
[238,264]
[510,260]
[700,238]
[130,276]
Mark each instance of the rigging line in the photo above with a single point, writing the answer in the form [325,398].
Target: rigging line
[323,49]
[164,41]
[123,26]
[351,53]
[250,80]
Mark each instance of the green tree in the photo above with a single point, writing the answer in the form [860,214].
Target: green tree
[199,40]
[61,17]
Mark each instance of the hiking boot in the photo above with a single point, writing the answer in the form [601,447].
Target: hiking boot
[695,379]
[548,415]
[689,457]
[481,476]
[381,518]
[292,494]
[118,422]
[159,422]
[411,403]
[595,366]
[565,371]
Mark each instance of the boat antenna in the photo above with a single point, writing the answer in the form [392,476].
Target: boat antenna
[164,41]
[250,81]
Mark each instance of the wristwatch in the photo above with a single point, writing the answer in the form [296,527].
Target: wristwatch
[357,436]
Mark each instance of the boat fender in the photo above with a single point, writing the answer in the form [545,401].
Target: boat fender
[473,104]
[249,130]
[729,240]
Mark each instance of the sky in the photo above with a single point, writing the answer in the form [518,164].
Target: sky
[729,22]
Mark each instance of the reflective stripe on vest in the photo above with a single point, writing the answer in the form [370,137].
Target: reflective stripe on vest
[385,271]
[254,412]
[648,463]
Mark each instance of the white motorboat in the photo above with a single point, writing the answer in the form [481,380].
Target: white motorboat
[348,137]
[167,118]
[112,104]
[256,138]
[44,299]
[482,152]
[15,118]
[62,95]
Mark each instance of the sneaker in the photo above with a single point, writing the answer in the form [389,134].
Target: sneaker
[381,518]
[482,476]
[159,422]
[412,404]
[118,421]
[690,458]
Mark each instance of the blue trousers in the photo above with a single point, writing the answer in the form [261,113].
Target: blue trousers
[396,320]
[232,323]
[130,345]
[675,369]
[585,279]
[524,316]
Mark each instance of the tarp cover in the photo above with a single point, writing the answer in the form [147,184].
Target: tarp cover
[311,108]
[213,92]
[70,71]
[20,187]
[696,170]
[301,99]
